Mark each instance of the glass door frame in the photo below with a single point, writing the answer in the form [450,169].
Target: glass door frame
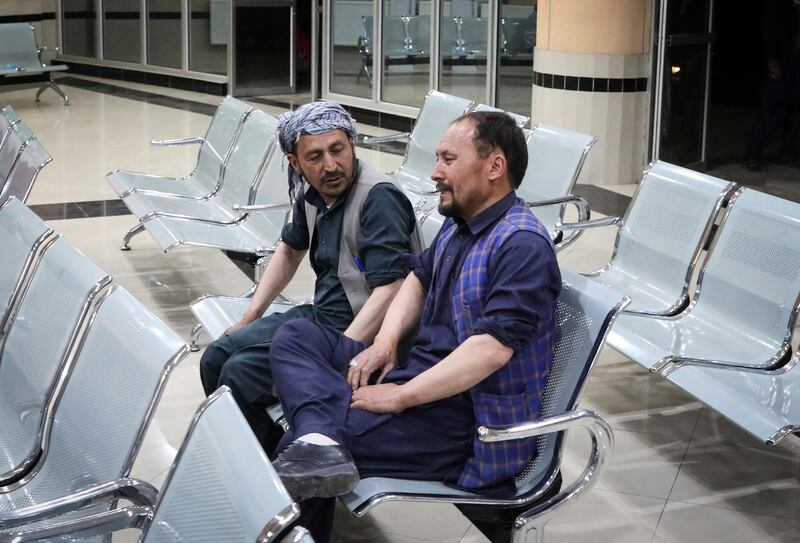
[661,41]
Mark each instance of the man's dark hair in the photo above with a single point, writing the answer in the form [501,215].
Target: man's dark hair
[496,130]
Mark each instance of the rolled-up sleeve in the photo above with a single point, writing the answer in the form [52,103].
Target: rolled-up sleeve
[387,220]
[422,266]
[295,233]
[524,283]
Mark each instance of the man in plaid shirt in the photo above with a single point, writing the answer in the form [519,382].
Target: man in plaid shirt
[482,301]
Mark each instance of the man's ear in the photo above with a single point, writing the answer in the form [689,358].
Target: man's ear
[292,158]
[497,166]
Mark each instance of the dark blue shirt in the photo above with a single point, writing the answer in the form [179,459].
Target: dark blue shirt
[387,219]
[523,281]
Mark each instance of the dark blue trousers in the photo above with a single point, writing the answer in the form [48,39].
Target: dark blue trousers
[427,442]
[241,361]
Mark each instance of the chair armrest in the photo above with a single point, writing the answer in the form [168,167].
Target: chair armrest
[774,366]
[138,492]
[593,223]
[46,48]
[263,207]
[602,446]
[375,140]
[182,141]
[298,534]
[584,214]
[88,526]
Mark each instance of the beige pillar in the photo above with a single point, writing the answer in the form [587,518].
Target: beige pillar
[592,75]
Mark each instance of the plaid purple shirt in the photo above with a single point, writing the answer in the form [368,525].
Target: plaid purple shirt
[513,394]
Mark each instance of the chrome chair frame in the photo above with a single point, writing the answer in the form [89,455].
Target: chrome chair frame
[146,500]
[26,186]
[42,68]
[682,302]
[11,119]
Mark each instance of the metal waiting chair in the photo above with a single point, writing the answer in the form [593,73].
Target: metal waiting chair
[253,233]
[221,487]
[661,237]
[36,348]
[8,118]
[15,141]
[218,313]
[101,414]
[22,237]
[239,183]
[555,159]
[32,157]
[521,120]
[586,311]
[20,54]
[748,296]
[204,181]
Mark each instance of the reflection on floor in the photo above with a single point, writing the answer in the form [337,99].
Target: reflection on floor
[680,473]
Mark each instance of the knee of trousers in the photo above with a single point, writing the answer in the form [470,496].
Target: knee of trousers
[295,332]
[213,359]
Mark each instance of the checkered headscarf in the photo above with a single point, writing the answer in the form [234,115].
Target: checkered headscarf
[309,120]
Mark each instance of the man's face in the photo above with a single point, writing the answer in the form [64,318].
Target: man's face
[327,162]
[461,174]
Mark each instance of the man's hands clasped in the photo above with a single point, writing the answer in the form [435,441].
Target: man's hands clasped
[377,398]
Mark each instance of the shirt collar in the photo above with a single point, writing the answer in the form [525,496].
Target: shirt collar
[490,215]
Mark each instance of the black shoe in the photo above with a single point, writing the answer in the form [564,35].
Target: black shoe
[316,471]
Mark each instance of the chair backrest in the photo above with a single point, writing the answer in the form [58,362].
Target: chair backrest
[219,140]
[18,45]
[36,348]
[435,115]
[666,226]
[222,486]
[751,276]
[8,118]
[521,120]
[555,159]
[272,188]
[247,157]
[23,174]
[12,148]
[21,236]
[108,401]
[586,310]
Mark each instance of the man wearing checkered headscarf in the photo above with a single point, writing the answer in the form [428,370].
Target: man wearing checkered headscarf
[357,228]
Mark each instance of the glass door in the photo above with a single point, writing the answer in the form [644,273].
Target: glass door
[682,73]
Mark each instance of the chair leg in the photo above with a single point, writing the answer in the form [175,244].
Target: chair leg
[138,229]
[52,85]
[195,335]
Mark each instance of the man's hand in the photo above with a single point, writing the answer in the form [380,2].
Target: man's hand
[380,355]
[386,398]
[231,329]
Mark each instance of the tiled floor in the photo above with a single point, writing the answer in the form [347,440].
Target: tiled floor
[680,473]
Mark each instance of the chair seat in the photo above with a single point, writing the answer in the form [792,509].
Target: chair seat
[759,403]
[171,232]
[647,340]
[30,70]
[143,204]
[218,313]
[123,181]
[645,295]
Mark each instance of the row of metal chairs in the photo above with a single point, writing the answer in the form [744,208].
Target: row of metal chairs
[728,344]
[22,156]
[20,55]
[77,394]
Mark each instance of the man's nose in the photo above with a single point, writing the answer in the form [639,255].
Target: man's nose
[328,163]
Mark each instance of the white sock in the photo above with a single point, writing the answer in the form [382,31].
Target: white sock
[317,439]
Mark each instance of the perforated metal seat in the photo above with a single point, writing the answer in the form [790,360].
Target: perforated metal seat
[221,487]
[242,174]
[586,311]
[16,140]
[35,350]
[661,236]
[8,118]
[31,159]
[111,392]
[204,181]
[747,301]
[555,160]
[22,236]
[217,313]
[20,54]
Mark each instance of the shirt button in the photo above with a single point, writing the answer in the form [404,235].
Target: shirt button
[322,241]
[449,258]
[461,235]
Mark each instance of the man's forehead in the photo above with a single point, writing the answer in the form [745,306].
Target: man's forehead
[325,139]
[456,137]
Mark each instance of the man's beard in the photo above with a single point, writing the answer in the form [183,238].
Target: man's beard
[451,209]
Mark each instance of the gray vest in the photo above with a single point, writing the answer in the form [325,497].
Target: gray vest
[352,279]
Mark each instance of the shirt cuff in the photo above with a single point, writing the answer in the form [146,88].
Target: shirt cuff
[512,334]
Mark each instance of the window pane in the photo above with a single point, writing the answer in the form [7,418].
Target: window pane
[516,39]
[164,33]
[122,30]
[208,36]
[351,48]
[406,51]
[79,17]
[463,47]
